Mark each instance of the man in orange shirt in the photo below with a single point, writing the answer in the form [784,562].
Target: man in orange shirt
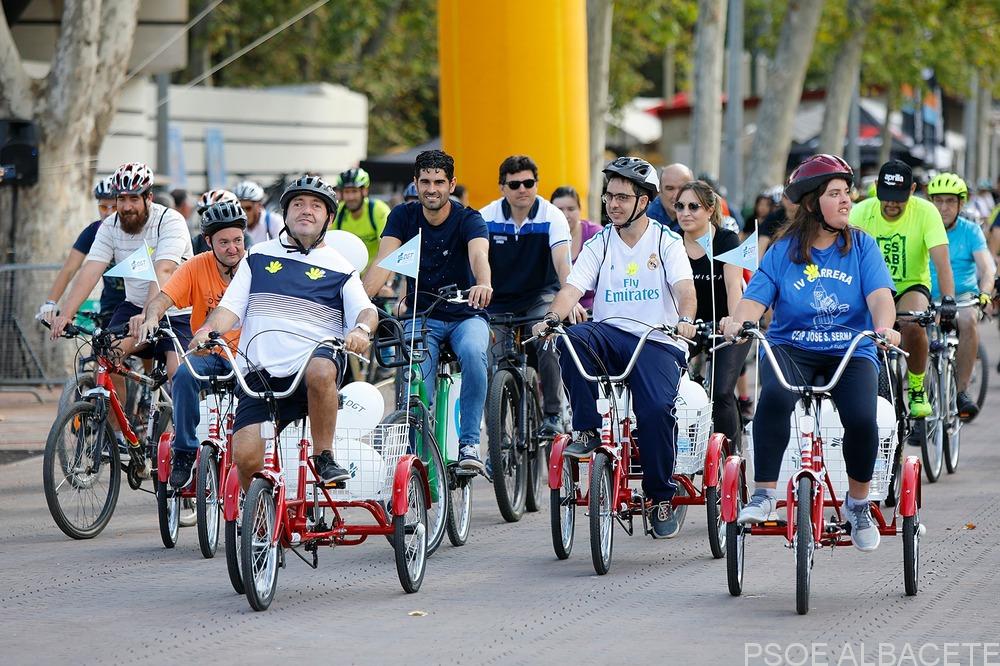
[199,283]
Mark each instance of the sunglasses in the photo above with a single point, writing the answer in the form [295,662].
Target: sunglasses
[516,184]
[693,206]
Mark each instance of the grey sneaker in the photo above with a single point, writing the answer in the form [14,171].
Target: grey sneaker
[468,458]
[864,531]
[551,426]
[663,521]
[758,509]
[584,443]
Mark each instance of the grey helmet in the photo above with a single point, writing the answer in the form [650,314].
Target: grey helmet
[314,186]
[225,214]
[640,173]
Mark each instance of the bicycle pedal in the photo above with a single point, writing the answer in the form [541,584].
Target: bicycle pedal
[334,485]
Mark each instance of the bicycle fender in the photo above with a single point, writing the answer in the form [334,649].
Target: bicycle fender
[733,486]
[909,496]
[556,460]
[713,458]
[231,496]
[790,502]
[401,478]
[163,457]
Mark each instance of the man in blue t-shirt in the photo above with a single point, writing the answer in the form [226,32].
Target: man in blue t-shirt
[970,259]
[454,250]
[113,289]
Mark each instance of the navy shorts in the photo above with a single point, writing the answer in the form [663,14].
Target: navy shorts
[181,325]
[251,410]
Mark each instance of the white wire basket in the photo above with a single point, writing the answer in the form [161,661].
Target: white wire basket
[694,426]
[833,457]
[370,455]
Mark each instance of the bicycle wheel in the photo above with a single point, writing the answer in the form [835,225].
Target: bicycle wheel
[902,433]
[736,535]
[562,511]
[80,472]
[74,389]
[951,428]
[233,556]
[717,530]
[804,545]
[460,510]
[168,509]
[508,458]
[932,444]
[979,383]
[911,554]
[410,535]
[437,476]
[602,520]
[207,503]
[258,547]
[538,451]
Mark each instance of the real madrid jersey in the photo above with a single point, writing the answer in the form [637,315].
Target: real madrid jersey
[633,286]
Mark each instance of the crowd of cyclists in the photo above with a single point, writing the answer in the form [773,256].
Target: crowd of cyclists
[829,265]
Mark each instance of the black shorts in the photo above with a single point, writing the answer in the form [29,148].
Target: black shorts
[181,325]
[251,410]
[920,288]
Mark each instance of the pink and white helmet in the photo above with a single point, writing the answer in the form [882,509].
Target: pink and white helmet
[132,178]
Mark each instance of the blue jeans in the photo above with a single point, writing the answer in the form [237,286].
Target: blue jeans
[470,340]
[186,393]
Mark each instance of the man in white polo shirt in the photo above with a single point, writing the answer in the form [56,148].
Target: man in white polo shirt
[639,272]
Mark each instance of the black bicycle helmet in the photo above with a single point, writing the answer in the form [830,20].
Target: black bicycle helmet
[221,215]
[640,173]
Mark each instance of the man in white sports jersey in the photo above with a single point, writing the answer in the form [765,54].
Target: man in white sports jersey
[138,219]
[641,276]
[289,293]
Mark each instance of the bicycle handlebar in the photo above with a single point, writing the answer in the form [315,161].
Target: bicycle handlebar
[184,357]
[754,332]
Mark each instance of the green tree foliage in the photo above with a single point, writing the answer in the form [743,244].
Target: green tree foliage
[386,49]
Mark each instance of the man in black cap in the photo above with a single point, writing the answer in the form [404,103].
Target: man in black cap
[911,235]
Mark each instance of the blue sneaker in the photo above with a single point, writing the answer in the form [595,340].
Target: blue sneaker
[663,521]
[468,458]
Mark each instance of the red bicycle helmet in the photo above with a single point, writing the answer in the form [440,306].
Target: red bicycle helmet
[814,172]
[132,178]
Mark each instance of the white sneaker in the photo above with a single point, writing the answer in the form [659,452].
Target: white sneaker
[758,509]
[864,531]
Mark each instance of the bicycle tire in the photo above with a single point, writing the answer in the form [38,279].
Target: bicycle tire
[602,521]
[979,382]
[409,540]
[73,390]
[932,443]
[437,478]
[168,507]
[460,510]
[508,461]
[259,520]
[717,532]
[80,416]
[562,511]
[207,502]
[911,554]
[952,427]
[736,535]
[803,544]
[538,452]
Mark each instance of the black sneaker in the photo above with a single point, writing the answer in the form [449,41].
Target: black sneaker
[182,468]
[584,443]
[916,437]
[328,470]
[468,458]
[967,407]
[745,405]
[551,426]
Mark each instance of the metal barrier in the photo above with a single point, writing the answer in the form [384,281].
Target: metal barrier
[26,356]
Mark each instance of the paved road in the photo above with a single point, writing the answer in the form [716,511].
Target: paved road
[503,598]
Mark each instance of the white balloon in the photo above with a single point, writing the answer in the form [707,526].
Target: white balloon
[349,245]
[690,394]
[363,408]
[366,465]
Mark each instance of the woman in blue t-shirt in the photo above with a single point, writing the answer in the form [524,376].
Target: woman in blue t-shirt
[825,281]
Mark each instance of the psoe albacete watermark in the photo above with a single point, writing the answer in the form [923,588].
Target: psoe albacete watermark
[871,654]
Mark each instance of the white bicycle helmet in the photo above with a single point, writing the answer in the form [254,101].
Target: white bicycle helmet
[215,196]
[132,178]
[247,190]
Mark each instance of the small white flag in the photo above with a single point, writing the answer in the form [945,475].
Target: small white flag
[138,266]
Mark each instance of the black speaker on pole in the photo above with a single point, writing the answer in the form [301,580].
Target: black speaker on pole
[19,152]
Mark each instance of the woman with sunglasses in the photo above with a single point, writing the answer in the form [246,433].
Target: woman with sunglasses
[719,287]
[824,281]
[567,199]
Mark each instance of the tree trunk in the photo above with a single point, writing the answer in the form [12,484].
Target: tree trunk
[73,107]
[599,13]
[706,121]
[985,99]
[786,74]
[844,77]
[885,150]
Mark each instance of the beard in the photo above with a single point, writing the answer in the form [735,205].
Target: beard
[131,222]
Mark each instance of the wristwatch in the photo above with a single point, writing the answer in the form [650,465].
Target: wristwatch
[685,320]
[365,328]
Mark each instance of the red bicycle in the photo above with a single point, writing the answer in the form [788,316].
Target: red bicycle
[286,506]
[81,469]
[607,493]
[815,478]
[212,466]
